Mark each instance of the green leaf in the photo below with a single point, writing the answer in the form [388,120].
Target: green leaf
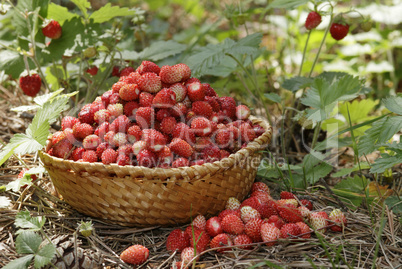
[380,132]
[296,83]
[24,220]
[24,108]
[288,4]
[162,49]
[20,263]
[213,54]
[83,5]
[8,150]
[333,142]
[59,13]
[325,92]
[28,242]
[274,97]
[352,190]
[394,104]
[315,167]
[395,204]
[44,255]
[386,161]
[11,62]
[20,22]
[346,171]
[108,12]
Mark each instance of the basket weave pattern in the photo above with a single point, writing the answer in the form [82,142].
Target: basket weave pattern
[139,196]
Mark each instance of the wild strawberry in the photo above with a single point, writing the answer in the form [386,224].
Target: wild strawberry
[120,124]
[117,86]
[164,99]
[126,71]
[338,218]
[180,91]
[287,195]
[116,71]
[305,231]
[179,111]
[246,132]
[77,153]
[201,126]
[134,134]
[175,73]
[146,158]
[181,147]
[123,160]
[290,230]
[202,108]
[366,25]
[154,139]
[226,212]
[209,91]
[68,122]
[51,29]
[224,154]
[129,92]
[91,142]
[177,240]
[304,211]
[313,20]
[213,102]
[276,221]
[187,255]
[232,224]
[286,202]
[180,162]
[145,117]
[224,138]
[242,112]
[262,196]
[252,229]
[195,91]
[136,254]
[338,30]
[248,213]
[165,156]
[290,213]
[92,70]
[228,106]
[221,240]
[109,156]
[270,234]
[318,221]
[211,153]
[89,52]
[167,125]
[251,201]
[102,129]
[258,129]
[183,131]
[101,148]
[119,139]
[213,226]
[147,66]
[267,209]
[89,156]
[146,99]
[306,203]
[232,203]
[183,70]
[82,130]
[102,116]
[242,239]
[138,147]
[115,110]
[31,84]
[202,143]
[108,137]
[150,82]
[57,137]
[200,239]
[191,80]
[199,222]
[125,150]
[162,113]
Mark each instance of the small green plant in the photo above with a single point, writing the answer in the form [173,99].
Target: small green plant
[32,242]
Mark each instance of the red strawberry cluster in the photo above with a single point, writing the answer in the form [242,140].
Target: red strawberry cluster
[258,219]
[156,117]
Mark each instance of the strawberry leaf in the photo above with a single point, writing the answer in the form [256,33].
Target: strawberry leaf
[379,133]
[108,12]
[59,13]
[22,262]
[26,221]
[28,242]
[386,161]
[44,255]
[296,83]
[161,49]
[288,4]
[83,5]
[393,104]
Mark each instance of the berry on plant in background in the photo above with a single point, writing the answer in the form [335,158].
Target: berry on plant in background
[51,29]
[366,25]
[313,20]
[338,30]
[89,52]
[126,71]
[136,254]
[30,84]
[93,70]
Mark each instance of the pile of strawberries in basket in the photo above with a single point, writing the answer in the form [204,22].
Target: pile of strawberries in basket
[155,117]
[258,219]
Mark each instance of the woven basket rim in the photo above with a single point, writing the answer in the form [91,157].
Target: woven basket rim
[199,170]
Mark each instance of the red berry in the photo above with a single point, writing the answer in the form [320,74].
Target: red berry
[129,92]
[82,130]
[228,106]
[202,108]
[242,239]
[154,139]
[221,240]
[109,156]
[92,70]
[201,126]
[164,99]
[290,230]
[290,213]
[242,112]
[269,234]
[252,229]
[136,254]
[313,20]
[126,71]
[213,226]
[150,82]
[89,156]
[181,147]
[30,85]
[68,122]
[180,91]
[200,239]
[177,240]
[195,91]
[287,195]
[145,117]
[91,142]
[339,31]
[146,158]
[147,66]
[52,29]
[232,224]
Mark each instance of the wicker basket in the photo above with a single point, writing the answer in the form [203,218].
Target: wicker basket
[139,196]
